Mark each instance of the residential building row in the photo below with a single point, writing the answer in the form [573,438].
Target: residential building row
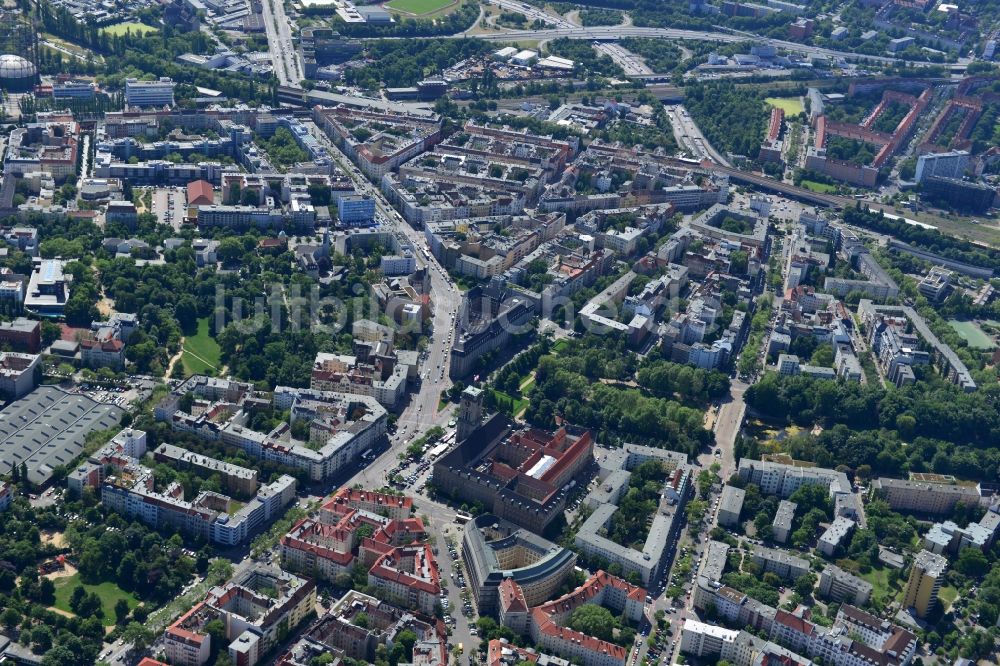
[606,176]
[546,624]
[878,285]
[649,562]
[925,497]
[378,141]
[357,624]
[341,426]
[375,370]
[900,339]
[258,609]
[484,247]
[47,146]
[856,638]
[497,554]
[128,487]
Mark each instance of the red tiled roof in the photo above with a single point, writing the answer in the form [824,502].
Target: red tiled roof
[200,192]
[386,569]
[177,632]
[794,623]
[352,497]
[550,628]
[495,652]
[512,597]
[544,616]
[334,536]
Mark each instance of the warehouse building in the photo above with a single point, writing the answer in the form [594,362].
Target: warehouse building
[47,428]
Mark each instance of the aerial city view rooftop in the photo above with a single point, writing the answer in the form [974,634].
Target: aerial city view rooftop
[499,333]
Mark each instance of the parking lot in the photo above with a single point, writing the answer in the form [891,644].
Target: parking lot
[170,205]
[137,389]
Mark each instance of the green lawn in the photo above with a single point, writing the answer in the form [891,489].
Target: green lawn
[947,595]
[108,592]
[527,384]
[134,28]
[559,346]
[201,351]
[822,188]
[519,403]
[418,7]
[882,592]
[971,333]
[792,106]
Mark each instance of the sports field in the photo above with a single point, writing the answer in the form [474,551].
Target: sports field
[419,7]
[201,351]
[108,592]
[971,333]
[792,106]
[134,28]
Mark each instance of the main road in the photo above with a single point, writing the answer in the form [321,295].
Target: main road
[606,34]
[285,58]
[422,411]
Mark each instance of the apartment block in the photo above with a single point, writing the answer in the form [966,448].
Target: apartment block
[496,551]
[49,146]
[650,562]
[339,632]
[258,608]
[353,528]
[855,639]
[730,506]
[781,526]
[409,576]
[948,538]
[342,426]
[149,93]
[547,624]
[713,565]
[835,535]
[705,640]
[840,586]
[238,480]
[783,480]
[923,496]
[377,141]
[376,371]
[924,582]
[779,562]
[23,335]
[733,607]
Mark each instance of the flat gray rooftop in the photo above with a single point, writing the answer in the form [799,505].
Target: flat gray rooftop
[47,428]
